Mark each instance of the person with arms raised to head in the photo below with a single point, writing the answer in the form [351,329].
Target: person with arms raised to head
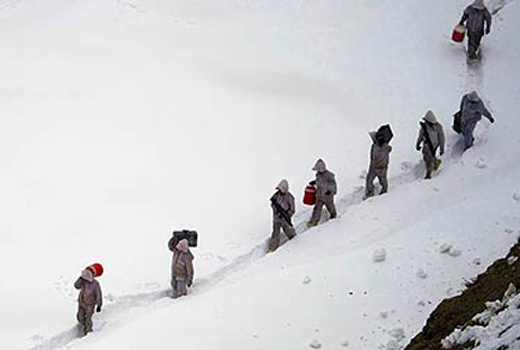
[182,268]
[379,160]
[89,297]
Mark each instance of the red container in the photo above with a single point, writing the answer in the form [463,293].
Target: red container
[96,269]
[309,196]
[458,33]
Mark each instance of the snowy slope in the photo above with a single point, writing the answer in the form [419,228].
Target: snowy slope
[122,120]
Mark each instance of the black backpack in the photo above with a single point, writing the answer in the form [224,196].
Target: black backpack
[457,127]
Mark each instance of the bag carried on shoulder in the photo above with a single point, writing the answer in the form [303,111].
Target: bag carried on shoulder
[457,127]
[384,134]
[191,236]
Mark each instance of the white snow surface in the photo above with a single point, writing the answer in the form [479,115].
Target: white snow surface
[122,120]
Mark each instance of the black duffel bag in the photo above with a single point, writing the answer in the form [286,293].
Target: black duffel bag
[191,236]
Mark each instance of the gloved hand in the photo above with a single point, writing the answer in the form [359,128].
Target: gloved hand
[189,283]
[418,147]
[488,30]
[441,152]
[492,120]
[98,309]
[313,182]
[328,193]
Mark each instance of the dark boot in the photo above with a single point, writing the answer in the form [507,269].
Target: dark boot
[274,243]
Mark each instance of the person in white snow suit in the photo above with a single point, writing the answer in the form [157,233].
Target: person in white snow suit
[182,268]
[379,160]
[477,19]
[89,297]
[282,204]
[472,109]
[326,189]
[431,137]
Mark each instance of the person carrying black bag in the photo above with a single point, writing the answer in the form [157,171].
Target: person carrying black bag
[379,159]
[431,137]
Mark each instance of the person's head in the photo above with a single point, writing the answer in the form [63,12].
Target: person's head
[473,96]
[283,186]
[87,275]
[429,117]
[183,245]
[478,4]
[319,166]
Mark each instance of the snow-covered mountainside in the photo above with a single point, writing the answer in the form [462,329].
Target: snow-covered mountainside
[121,120]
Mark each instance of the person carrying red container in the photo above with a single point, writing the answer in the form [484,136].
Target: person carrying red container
[89,296]
[477,19]
[282,203]
[326,189]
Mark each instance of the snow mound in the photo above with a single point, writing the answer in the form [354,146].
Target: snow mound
[379,255]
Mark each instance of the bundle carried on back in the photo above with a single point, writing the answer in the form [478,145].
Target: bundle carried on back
[384,134]
[191,236]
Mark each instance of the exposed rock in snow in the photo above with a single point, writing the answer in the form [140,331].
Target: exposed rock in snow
[307,280]
[516,196]
[383,314]
[477,261]
[509,230]
[315,344]
[379,255]
[497,327]
[345,343]
[421,273]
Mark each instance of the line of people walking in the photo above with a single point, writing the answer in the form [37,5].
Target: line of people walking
[430,140]
[476,20]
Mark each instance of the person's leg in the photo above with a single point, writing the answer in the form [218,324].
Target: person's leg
[429,160]
[383,180]
[473,44]
[181,287]
[89,311]
[467,133]
[288,230]
[174,287]
[316,213]
[80,316]
[329,204]
[369,186]
[274,242]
